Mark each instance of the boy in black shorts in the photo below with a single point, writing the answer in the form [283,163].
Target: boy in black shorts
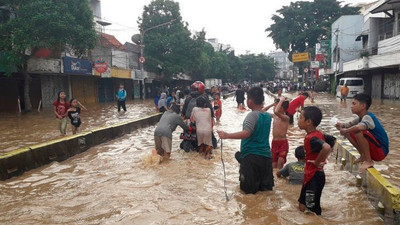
[317,150]
[255,173]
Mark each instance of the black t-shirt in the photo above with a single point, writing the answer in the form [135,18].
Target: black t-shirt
[239,95]
[75,117]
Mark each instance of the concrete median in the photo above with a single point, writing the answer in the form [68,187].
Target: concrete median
[18,161]
[382,194]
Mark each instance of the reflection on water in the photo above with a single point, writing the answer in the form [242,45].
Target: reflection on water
[109,184]
[24,130]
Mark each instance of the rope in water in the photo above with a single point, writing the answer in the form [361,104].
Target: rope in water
[223,166]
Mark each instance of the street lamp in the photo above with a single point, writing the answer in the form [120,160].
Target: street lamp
[142,59]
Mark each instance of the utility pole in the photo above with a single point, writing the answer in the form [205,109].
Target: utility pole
[337,51]
[142,33]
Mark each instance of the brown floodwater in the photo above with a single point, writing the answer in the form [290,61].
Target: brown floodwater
[22,130]
[110,184]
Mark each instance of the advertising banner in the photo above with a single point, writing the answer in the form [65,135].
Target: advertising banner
[77,66]
[325,50]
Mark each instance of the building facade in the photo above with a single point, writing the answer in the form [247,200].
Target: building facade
[284,67]
[379,60]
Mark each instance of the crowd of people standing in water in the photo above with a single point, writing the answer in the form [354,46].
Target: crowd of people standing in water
[194,111]
[257,158]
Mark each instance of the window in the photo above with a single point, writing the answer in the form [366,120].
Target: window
[355,83]
[398,23]
[386,29]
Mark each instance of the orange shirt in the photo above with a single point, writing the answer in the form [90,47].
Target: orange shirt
[344,90]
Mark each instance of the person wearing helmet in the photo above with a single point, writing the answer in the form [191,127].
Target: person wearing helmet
[197,91]
[190,102]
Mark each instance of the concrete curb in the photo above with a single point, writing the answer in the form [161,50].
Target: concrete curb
[382,194]
[18,161]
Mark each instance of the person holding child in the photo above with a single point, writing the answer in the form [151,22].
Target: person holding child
[294,170]
[317,150]
[163,132]
[365,133]
[201,116]
[255,173]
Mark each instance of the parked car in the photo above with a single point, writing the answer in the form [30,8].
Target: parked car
[355,85]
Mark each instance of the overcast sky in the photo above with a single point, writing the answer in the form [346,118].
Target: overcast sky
[239,23]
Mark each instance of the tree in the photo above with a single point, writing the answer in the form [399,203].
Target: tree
[170,47]
[258,67]
[299,26]
[51,24]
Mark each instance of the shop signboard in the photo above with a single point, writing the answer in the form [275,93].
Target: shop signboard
[77,66]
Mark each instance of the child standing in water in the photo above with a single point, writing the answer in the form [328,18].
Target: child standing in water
[74,114]
[217,106]
[255,173]
[280,144]
[317,150]
[201,115]
[121,98]
[60,110]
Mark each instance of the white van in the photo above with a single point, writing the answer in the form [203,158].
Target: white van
[355,85]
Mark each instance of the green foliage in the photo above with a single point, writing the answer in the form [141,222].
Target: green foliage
[258,67]
[178,51]
[169,46]
[299,26]
[53,24]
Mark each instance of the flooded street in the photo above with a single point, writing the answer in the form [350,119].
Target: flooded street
[22,130]
[109,183]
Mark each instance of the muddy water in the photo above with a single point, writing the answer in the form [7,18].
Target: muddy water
[109,184]
[21,130]
[388,112]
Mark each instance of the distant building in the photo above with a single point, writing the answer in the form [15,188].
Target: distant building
[218,46]
[344,47]
[378,61]
[283,65]
[95,5]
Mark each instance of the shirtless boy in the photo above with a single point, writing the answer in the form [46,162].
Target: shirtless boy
[280,145]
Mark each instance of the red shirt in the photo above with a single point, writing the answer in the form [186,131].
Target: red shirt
[61,108]
[310,168]
[218,111]
[295,103]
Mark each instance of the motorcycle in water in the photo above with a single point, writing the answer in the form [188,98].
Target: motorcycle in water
[189,139]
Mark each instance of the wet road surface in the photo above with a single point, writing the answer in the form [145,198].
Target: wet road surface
[109,184]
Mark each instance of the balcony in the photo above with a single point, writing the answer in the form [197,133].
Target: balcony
[357,64]
[389,45]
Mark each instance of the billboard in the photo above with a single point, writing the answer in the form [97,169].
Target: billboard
[325,50]
[300,57]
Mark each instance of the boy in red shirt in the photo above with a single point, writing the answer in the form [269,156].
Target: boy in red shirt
[317,150]
[296,103]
